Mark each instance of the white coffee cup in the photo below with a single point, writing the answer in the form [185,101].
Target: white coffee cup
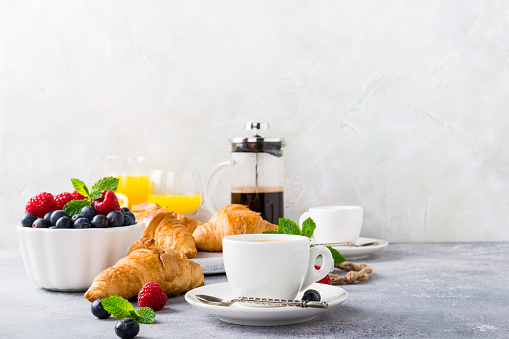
[275,266]
[335,223]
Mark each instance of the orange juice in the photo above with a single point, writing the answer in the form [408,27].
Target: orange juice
[179,203]
[135,187]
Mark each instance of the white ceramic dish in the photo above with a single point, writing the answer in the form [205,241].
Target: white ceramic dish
[70,259]
[264,316]
[352,253]
[210,262]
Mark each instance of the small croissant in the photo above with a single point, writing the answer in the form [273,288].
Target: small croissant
[230,220]
[170,233]
[147,262]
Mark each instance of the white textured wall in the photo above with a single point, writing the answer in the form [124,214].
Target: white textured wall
[398,106]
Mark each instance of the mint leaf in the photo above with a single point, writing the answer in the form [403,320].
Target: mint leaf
[287,226]
[74,207]
[117,306]
[308,227]
[270,232]
[338,258]
[107,183]
[95,195]
[144,315]
[80,187]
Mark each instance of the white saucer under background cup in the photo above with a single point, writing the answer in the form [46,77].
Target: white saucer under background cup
[335,224]
[275,266]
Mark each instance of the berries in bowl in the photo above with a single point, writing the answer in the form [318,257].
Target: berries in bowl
[67,239]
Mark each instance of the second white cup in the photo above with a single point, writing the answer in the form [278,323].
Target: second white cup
[335,224]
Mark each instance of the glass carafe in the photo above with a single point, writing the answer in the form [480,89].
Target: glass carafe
[256,174]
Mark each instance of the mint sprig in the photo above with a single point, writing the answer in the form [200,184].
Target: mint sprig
[80,187]
[287,226]
[74,207]
[107,183]
[120,307]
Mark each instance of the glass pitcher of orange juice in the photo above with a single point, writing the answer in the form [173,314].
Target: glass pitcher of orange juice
[134,179]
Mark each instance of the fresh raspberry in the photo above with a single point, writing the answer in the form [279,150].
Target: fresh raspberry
[62,199]
[324,280]
[41,204]
[152,295]
[77,196]
[107,203]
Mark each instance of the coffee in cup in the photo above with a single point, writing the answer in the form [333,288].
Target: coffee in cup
[275,266]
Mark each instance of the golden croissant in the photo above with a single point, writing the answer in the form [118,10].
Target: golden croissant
[169,233]
[147,262]
[230,220]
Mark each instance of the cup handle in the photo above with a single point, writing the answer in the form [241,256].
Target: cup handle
[302,218]
[313,275]
[209,202]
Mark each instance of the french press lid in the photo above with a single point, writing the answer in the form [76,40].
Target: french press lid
[256,143]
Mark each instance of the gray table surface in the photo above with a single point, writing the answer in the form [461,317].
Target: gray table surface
[418,290]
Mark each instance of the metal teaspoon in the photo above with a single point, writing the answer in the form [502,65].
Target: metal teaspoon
[211,300]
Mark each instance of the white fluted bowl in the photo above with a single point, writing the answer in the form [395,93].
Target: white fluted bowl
[70,259]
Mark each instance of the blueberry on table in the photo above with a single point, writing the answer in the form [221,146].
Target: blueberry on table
[41,223]
[100,221]
[57,215]
[127,328]
[116,218]
[311,295]
[28,220]
[64,222]
[98,310]
[82,223]
[88,212]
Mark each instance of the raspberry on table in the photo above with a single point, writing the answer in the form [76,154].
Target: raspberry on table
[107,203]
[324,280]
[41,204]
[152,295]
[62,199]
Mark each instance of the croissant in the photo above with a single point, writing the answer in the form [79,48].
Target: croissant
[231,219]
[170,233]
[189,222]
[147,213]
[147,262]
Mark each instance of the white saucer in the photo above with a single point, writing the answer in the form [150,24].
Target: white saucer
[267,316]
[350,252]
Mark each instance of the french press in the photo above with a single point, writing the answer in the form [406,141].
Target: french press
[256,173]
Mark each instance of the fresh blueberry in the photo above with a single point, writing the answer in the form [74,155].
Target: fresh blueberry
[52,227]
[47,216]
[64,222]
[311,295]
[75,217]
[127,328]
[57,215]
[82,223]
[41,223]
[28,220]
[88,212]
[100,221]
[98,310]
[116,218]
[127,221]
[125,209]
[132,216]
